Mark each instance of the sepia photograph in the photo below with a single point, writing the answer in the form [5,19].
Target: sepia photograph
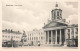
[39,24]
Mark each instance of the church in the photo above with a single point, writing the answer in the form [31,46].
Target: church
[59,32]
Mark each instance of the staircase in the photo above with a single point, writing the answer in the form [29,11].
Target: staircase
[53,45]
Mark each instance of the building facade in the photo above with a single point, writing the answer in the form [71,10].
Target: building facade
[10,36]
[58,31]
[72,35]
[36,36]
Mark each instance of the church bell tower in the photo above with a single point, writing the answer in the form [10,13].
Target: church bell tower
[56,13]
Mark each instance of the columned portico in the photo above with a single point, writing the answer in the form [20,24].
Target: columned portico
[56,28]
[55,38]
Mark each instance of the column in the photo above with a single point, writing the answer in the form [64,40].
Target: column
[74,32]
[45,37]
[51,37]
[48,37]
[60,37]
[56,37]
[65,37]
[74,36]
[70,34]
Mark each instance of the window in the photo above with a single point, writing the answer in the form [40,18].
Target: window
[57,17]
[57,13]
[8,36]
[3,35]
[68,30]
[28,38]
[76,37]
[60,14]
[68,33]
[72,32]
[32,38]
[41,37]
[14,36]
[36,38]
[76,31]
[24,40]
[54,15]
[72,37]
[41,33]
[30,34]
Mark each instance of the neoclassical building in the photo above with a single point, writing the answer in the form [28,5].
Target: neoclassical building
[36,36]
[58,31]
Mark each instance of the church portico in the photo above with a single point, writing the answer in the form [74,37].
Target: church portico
[55,29]
[55,37]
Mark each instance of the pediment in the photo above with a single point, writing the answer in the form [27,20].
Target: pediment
[54,24]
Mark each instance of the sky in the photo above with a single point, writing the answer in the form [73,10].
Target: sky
[33,14]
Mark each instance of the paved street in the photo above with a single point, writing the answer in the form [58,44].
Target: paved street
[43,47]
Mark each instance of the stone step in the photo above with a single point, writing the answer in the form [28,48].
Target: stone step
[56,45]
